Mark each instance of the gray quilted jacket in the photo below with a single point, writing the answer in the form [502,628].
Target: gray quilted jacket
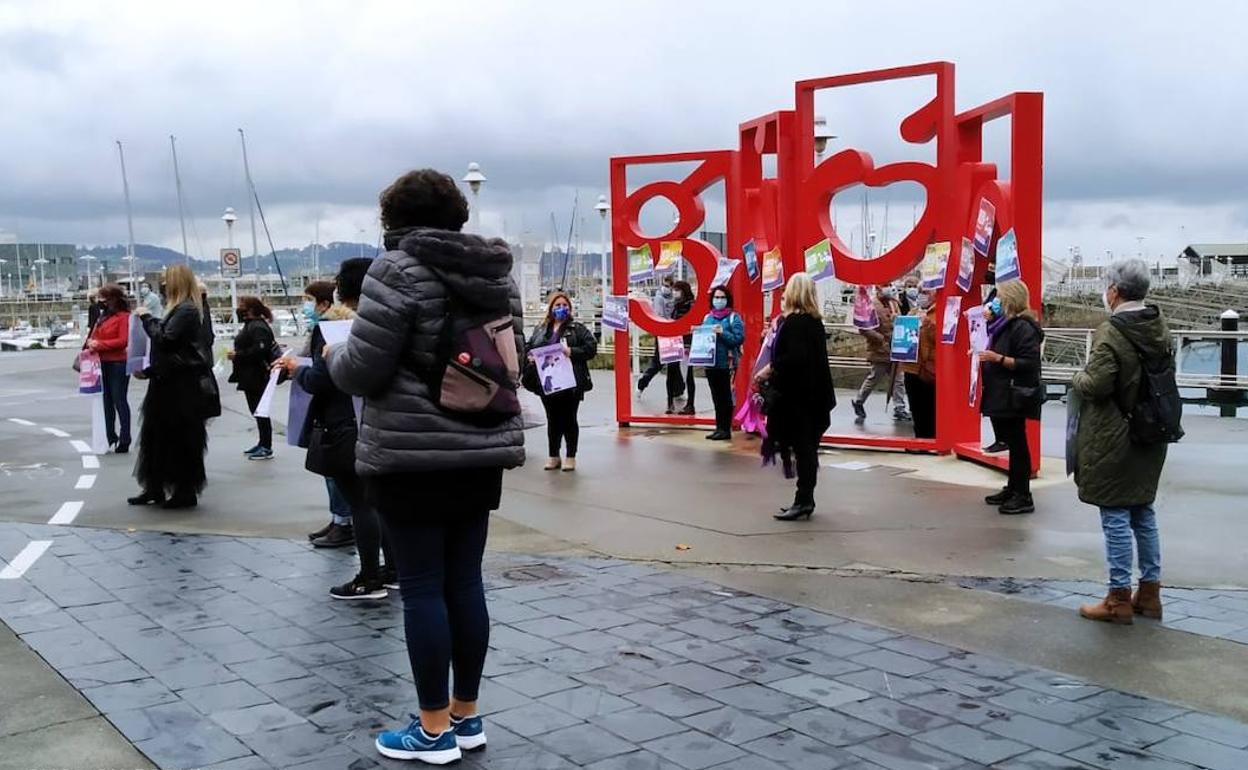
[394,337]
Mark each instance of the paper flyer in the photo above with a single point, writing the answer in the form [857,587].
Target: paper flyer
[773,270]
[973,396]
[977,326]
[935,264]
[671,350]
[615,313]
[1007,258]
[554,369]
[640,263]
[949,322]
[751,259]
[984,223]
[297,409]
[864,313]
[905,347]
[670,252]
[819,261]
[1074,405]
[966,265]
[702,346]
[137,356]
[335,332]
[265,406]
[724,271]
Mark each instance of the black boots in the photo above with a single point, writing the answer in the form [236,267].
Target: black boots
[147,498]
[1000,497]
[1017,504]
[800,509]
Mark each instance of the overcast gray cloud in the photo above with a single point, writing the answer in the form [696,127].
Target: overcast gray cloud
[1144,104]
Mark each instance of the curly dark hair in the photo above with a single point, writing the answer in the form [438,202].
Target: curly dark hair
[321,291]
[423,198]
[113,297]
[254,307]
[350,278]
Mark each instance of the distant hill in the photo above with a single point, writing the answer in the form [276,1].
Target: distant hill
[292,260]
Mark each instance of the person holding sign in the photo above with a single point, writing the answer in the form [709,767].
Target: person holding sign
[879,356]
[680,378]
[579,345]
[255,349]
[1013,392]
[920,375]
[109,339]
[729,331]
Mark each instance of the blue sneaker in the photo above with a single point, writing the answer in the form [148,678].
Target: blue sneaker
[412,742]
[261,453]
[469,733]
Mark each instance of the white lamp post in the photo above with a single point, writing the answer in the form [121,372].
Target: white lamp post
[474,179]
[88,259]
[229,218]
[602,207]
[4,276]
[822,135]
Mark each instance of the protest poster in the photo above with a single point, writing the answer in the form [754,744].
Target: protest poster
[297,409]
[640,263]
[905,344]
[723,271]
[265,406]
[335,332]
[949,322]
[935,265]
[750,251]
[1074,405]
[137,355]
[865,316]
[1007,258]
[702,346]
[966,265]
[984,224]
[615,313]
[977,325]
[973,396]
[773,270]
[89,372]
[819,261]
[554,368]
[670,252]
[671,350]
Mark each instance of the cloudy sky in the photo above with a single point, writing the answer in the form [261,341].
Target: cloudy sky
[1145,106]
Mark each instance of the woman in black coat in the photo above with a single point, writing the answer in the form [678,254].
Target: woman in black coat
[679,375]
[255,349]
[799,384]
[1013,392]
[580,346]
[172,439]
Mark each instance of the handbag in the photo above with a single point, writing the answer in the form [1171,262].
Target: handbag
[207,394]
[331,449]
[1026,397]
[77,364]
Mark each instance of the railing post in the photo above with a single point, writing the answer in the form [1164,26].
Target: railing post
[1227,395]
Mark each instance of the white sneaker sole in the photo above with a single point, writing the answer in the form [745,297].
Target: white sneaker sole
[356,597]
[444,757]
[471,742]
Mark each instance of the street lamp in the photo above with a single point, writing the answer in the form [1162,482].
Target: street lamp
[822,135]
[229,218]
[130,259]
[88,259]
[602,207]
[474,178]
[4,276]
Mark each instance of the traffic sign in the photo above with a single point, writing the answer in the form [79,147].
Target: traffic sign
[231,263]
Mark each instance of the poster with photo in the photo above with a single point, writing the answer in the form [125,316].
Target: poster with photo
[966,265]
[750,251]
[905,345]
[865,316]
[973,396]
[640,263]
[773,270]
[615,313]
[723,271]
[984,224]
[1007,268]
[819,261]
[949,322]
[554,369]
[702,346]
[137,356]
[671,350]
[935,264]
[670,252]
[977,325]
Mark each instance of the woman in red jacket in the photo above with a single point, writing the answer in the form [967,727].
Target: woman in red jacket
[109,339]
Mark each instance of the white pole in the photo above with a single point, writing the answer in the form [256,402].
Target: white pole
[251,211]
[125,186]
[177,181]
[316,254]
[229,242]
[476,210]
[606,260]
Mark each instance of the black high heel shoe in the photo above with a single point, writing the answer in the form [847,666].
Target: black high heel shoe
[795,513]
[146,498]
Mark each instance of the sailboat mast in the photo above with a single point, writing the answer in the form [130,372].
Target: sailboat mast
[316,255]
[125,187]
[251,211]
[177,181]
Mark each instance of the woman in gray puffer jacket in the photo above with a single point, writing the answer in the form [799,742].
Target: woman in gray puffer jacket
[432,478]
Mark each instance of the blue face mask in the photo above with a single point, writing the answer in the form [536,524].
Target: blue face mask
[310,314]
[719,303]
[995,306]
[560,312]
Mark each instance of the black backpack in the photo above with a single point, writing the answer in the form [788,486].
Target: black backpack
[1158,412]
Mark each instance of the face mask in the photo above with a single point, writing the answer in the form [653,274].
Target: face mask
[144,291]
[1105,300]
[719,303]
[925,301]
[994,307]
[560,312]
[912,294]
[888,293]
[309,312]
[667,291]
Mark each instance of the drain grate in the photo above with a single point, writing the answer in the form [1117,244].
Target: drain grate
[534,573]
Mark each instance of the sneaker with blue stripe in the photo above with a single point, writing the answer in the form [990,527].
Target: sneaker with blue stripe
[469,733]
[412,742]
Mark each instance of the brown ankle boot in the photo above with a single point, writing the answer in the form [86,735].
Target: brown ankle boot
[1147,600]
[1114,608]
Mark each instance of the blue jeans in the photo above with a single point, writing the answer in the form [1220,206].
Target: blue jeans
[116,406]
[1120,524]
[339,508]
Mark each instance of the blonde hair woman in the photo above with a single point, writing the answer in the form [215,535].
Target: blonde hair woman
[172,439]
[1013,392]
[801,394]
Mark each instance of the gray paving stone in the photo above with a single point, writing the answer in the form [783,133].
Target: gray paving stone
[592,641]
[353,672]
[71,646]
[266,716]
[217,697]
[1214,728]
[251,762]
[733,726]
[968,711]
[700,650]
[722,613]
[672,701]
[1048,707]
[507,638]
[975,745]
[754,669]
[918,648]
[1041,760]
[709,629]
[550,627]
[865,633]
[893,715]
[617,680]
[536,682]
[884,683]
[809,618]
[583,744]
[286,636]
[1125,704]
[499,662]
[1038,733]
[319,654]
[563,660]
[586,702]
[639,725]
[831,727]
[96,674]
[893,662]
[650,633]
[194,675]
[561,605]
[640,657]
[336,763]
[291,745]
[601,619]
[693,750]
[1124,731]
[533,717]
[836,645]
[820,690]
[758,604]
[1109,756]
[696,677]
[792,749]
[637,760]
[775,627]
[126,696]
[1052,683]
[145,724]
[758,763]
[763,646]
[1201,752]
[204,745]
[503,611]
[965,683]
[266,670]
[897,752]
[1205,627]
[984,665]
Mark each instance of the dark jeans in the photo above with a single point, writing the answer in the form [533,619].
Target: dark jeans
[339,508]
[680,378]
[116,384]
[652,369]
[364,520]
[720,381]
[263,423]
[561,425]
[922,396]
[1013,431]
[444,612]
[806,460]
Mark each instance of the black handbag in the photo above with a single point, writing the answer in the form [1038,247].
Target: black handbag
[331,449]
[208,396]
[1026,397]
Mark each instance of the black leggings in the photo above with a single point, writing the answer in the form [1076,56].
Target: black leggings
[922,396]
[444,612]
[720,381]
[1013,431]
[806,458]
[561,409]
[369,539]
[680,378]
[263,423]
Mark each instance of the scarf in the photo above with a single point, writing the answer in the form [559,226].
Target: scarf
[720,315]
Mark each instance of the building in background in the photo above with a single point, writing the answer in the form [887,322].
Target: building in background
[1209,259]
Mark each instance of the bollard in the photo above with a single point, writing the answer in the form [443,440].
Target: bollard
[1230,398]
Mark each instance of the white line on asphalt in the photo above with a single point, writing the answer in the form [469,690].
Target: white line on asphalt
[24,559]
[85,481]
[67,513]
[81,446]
[90,462]
[56,432]
[20,421]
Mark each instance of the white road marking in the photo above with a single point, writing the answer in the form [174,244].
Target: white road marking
[81,446]
[56,432]
[85,481]
[67,513]
[20,421]
[90,462]
[853,465]
[24,559]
